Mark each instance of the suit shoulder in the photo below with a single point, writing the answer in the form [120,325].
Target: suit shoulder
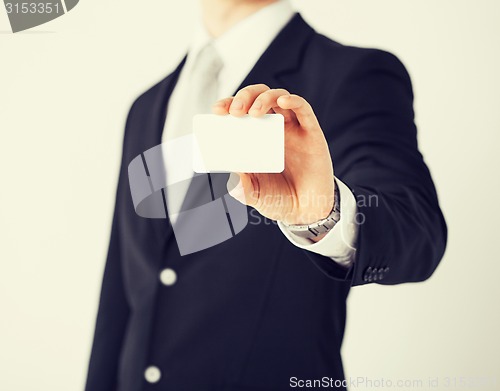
[155,93]
[151,95]
[352,58]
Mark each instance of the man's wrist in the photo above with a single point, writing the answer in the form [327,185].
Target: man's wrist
[317,230]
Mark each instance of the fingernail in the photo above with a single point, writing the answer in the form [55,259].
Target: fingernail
[237,104]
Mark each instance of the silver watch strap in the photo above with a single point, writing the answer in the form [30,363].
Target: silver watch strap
[319,227]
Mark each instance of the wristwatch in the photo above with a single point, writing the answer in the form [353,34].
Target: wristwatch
[319,227]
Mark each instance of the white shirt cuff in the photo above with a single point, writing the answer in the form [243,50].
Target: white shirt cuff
[339,243]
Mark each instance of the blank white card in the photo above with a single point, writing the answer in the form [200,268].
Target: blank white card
[224,143]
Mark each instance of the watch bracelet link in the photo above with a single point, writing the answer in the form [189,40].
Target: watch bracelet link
[322,226]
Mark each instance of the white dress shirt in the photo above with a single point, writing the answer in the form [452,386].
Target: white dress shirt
[257,31]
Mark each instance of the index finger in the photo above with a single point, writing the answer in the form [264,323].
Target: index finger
[245,97]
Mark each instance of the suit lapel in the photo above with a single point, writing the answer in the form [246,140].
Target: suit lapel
[283,56]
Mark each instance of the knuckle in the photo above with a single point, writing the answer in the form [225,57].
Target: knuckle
[244,94]
[262,86]
[301,101]
[271,96]
[266,97]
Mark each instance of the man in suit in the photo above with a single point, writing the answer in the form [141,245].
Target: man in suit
[355,205]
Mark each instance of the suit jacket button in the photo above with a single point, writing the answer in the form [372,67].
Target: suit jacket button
[367,274]
[152,374]
[168,277]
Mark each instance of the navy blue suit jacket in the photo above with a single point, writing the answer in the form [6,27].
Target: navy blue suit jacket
[252,312]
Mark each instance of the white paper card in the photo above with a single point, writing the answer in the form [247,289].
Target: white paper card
[224,143]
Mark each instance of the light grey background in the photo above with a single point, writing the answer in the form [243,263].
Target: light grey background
[65,88]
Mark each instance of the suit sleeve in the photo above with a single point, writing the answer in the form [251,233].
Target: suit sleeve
[113,310]
[401,230]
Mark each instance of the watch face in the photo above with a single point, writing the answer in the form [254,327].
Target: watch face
[25,14]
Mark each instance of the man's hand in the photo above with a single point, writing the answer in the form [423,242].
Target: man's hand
[304,192]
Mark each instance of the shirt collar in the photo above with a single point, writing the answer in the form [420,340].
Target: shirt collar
[256,32]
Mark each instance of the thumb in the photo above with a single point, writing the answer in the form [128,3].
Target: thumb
[240,187]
